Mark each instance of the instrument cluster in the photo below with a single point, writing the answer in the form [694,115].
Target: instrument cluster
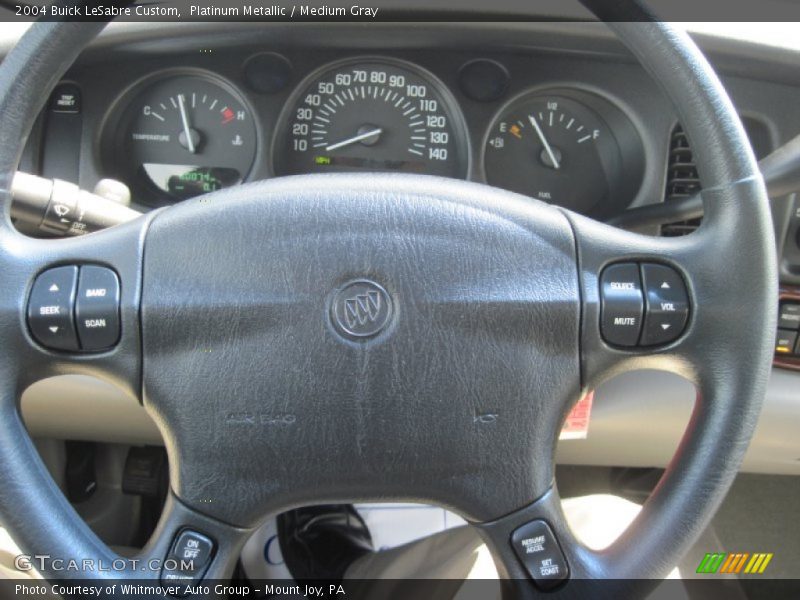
[180,133]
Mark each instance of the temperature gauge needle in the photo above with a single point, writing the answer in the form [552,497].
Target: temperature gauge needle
[545,143]
[356,138]
[187,129]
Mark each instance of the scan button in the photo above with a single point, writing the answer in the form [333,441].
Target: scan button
[97,308]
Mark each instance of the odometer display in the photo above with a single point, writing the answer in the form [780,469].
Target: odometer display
[371,116]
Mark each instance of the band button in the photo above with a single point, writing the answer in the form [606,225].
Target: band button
[97,308]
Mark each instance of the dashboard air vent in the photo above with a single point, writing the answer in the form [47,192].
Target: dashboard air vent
[682,180]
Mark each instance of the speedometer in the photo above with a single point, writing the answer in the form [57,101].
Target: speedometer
[371,115]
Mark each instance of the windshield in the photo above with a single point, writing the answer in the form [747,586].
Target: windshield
[780,35]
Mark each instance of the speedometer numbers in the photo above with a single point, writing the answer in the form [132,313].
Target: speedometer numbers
[371,116]
[569,148]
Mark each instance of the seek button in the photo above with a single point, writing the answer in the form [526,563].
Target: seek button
[50,308]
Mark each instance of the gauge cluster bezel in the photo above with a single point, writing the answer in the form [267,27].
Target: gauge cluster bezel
[470,115]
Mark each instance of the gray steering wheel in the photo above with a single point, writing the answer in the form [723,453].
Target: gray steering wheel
[474,325]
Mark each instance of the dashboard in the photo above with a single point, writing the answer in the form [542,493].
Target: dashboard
[202,116]
[553,111]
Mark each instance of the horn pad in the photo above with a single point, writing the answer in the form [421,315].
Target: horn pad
[344,338]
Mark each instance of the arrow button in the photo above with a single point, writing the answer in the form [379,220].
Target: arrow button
[666,304]
[51,306]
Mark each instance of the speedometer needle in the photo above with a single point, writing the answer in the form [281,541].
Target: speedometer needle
[546,145]
[187,129]
[356,138]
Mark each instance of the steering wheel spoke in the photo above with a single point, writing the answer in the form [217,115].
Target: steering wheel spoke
[50,278]
[537,555]
[534,543]
[189,547]
[672,304]
[71,305]
[530,549]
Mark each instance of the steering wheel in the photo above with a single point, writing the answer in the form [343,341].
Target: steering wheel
[370,337]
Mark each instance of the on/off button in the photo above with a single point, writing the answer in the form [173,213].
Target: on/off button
[621,304]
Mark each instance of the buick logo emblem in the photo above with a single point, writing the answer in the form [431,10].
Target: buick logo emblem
[361,309]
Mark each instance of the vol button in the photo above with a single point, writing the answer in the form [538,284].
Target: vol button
[667,304]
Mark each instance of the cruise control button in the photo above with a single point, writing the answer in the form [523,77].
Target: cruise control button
[187,561]
[97,308]
[194,547]
[785,341]
[789,316]
[667,305]
[50,308]
[621,304]
[537,549]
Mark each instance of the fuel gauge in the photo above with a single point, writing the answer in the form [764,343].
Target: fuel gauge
[565,150]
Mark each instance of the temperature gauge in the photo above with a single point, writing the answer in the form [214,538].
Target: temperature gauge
[188,135]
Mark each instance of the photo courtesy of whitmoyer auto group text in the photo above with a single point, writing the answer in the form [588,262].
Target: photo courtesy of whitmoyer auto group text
[399,300]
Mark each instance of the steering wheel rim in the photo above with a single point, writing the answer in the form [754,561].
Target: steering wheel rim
[711,352]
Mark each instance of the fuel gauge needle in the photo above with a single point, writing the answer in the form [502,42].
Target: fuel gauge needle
[545,143]
[187,129]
